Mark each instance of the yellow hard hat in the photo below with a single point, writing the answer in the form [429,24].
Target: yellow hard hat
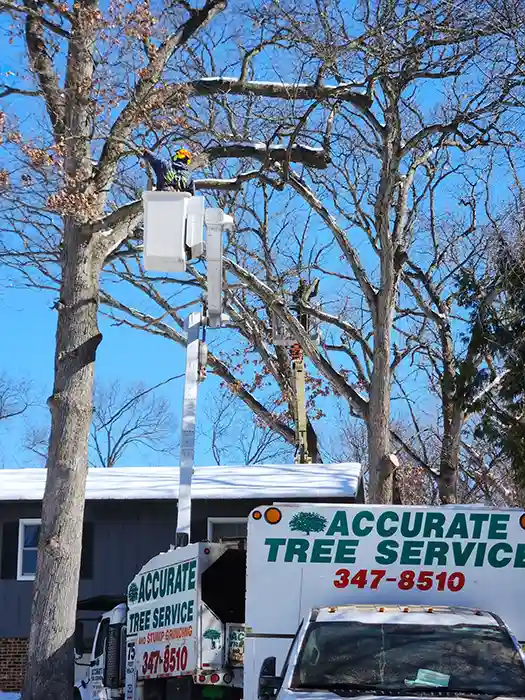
[183,154]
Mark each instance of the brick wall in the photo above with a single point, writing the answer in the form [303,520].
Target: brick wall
[13,656]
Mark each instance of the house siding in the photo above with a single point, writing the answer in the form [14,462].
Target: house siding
[125,535]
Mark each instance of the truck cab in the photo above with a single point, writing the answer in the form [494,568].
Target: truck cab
[392,650]
[106,672]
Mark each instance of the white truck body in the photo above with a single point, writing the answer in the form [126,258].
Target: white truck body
[171,631]
[302,557]
[397,565]
[167,631]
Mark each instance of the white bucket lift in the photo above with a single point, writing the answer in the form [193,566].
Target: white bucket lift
[173,234]
[173,230]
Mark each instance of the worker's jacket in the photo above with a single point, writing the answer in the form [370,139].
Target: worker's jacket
[170,175]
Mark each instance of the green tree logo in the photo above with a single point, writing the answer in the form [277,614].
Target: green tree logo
[133,593]
[308,522]
[213,636]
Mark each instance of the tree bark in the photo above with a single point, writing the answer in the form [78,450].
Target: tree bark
[313,445]
[450,450]
[50,669]
[380,487]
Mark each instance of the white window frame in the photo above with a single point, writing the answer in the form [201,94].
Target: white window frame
[21,527]
[218,521]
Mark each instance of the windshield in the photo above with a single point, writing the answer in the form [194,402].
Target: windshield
[397,657]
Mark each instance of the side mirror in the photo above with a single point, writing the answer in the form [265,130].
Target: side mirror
[269,682]
[79,638]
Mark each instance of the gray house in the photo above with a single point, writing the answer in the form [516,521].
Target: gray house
[130,516]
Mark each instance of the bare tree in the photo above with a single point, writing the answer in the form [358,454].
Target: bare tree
[130,417]
[352,138]
[123,417]
[14,397]
[237,436]
[95,72]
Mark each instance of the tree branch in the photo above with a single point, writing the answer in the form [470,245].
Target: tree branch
[42,66]
[314,157]
[145,95]
[33,12]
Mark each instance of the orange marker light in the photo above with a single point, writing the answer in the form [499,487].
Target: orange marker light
[381,610]
[256,515]
[405,609]
[522,521]
[273,516]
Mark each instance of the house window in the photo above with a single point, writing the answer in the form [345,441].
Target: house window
[227,529]
[28,534]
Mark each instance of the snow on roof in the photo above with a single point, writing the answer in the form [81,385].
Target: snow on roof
[267,482]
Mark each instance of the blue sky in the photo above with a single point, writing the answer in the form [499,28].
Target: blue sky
[126,355]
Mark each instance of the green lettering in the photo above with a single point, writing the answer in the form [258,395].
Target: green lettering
[387,552]
[141,590]
[339,525]
[345,552]
[478,519]
[133,620]
[458,527]
[170,582]
[411,553]
[148,585]
[185,567]
[462,553]
[156,577]
[141,620]
[436,551]
[163,579]
[167,615]
[408,529]
[192,575]
[434,526]
[296,547]
[492,557]
[162,612]
[519,559]
[480,554]
[178,579]
[191,607]
[357,527]
[322,551]
[498,526]
[274,543]
[147,619]
[184,611]
[382,531]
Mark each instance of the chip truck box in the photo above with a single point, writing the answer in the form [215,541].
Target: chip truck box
[306,556]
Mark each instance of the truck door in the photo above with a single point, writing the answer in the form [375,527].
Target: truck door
[98,662]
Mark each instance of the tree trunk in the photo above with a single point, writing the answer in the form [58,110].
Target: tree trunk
[380,466]
[450,449]
[313,445]
[50,670]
